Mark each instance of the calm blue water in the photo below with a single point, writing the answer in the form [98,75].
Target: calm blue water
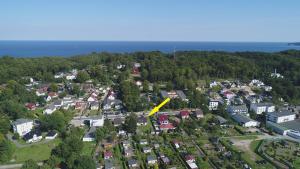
[70,48]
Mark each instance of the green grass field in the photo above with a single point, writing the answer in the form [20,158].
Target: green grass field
[88,148]
[37,152]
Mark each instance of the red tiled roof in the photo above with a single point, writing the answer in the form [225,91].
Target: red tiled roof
[167,126]
[163,117]
[189,157]
[52,94]
[108,154]
[184,113]
[30,105]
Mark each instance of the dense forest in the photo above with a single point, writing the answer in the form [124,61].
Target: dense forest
[181,72]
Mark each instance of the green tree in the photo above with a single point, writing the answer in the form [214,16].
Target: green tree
[6,149]
[53,87]
[82,76]
[4,123]
[85,162]
[30,164]
[130,123]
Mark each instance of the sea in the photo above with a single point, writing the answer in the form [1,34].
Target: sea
[73,48]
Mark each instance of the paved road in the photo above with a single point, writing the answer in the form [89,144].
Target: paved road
[14,166]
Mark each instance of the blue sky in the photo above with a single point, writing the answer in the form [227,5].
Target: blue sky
[151,20]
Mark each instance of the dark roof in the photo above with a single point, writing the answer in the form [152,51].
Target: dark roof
[142,119]
[293,125]
[30,135]
[132,161]
[51,133]
[241,118]
[281,113]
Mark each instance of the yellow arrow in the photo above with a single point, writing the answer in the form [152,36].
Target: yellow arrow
[156,108]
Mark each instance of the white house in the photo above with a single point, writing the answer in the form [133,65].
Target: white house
[280,117]
[245,121]
[213,104]
[237,109]
[22,126]
[70,77]
[51,135]
[50,109]
[259,108]
[33,136]
[97,121]
[151,159]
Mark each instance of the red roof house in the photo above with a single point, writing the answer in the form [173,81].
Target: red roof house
[163,119]
[166,127]
[189,158]
[30,106]
[184,114]
[108,155]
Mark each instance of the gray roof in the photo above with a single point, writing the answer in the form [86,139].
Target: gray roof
[151,158]
[221,119]
[132,161]
[241,118]
[281,113]
[264,104]
[90,133]
[108,164]
[21,121]
[293,125]
[239,107]
[164,93]
[181,94]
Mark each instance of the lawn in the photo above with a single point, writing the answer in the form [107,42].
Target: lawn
[88,148]
[37,152]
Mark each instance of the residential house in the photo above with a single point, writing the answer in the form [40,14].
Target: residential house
[132,163]
[147,150]
[118,122]
[96,121]
[108,164]
[51,135]
[126,144]
[50,109]
[199,114]
[237,109]
[142,121]
[33,136]
[22,126]
[221,120]
[41,91]
[108,155]
[164,159]
[173,94]
[30,106]
[94,105]
[189,159]
[90,135]
[245,121]
[280,117]
[184,114]
[143,142]
[259,108]
[151,160]
[58,103]
[51,95]
[128,152]
[163,119]
[213,104]
[176,143]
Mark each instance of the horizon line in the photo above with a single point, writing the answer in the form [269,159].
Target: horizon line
[193,41]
